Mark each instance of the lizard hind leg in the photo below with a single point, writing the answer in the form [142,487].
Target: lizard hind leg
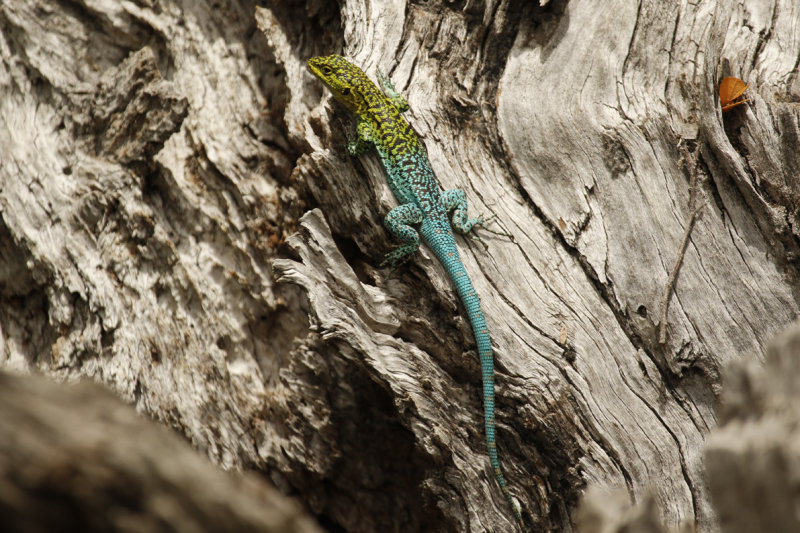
[398,221]
[455,202]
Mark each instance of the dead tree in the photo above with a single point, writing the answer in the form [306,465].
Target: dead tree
[179,220]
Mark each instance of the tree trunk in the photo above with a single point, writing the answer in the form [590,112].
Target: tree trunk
[75,458]
[180,221]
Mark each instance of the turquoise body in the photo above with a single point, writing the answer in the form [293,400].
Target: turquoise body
[422,204]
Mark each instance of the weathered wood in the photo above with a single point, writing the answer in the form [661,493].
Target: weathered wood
[75,458]
[753,458]
[610,511]
[155,157]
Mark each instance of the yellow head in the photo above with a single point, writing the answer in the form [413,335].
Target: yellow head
[347,82]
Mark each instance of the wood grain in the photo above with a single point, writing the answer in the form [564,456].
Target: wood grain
[180,221]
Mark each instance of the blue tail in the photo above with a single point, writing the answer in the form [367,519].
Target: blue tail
[444,246]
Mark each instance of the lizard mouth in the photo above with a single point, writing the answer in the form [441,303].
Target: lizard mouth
[315,67]
[311,65]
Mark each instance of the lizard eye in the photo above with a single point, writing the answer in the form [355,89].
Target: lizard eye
[326,69]
[346,91]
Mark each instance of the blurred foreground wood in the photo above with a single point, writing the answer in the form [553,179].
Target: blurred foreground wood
[180,221]
[75,458]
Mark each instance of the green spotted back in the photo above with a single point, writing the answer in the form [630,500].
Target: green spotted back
[423,205]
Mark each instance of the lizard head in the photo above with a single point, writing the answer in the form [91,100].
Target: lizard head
[343,78]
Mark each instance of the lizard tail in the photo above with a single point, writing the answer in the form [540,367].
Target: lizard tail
[478,321]
[455,268]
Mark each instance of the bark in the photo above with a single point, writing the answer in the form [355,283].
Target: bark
[75,458]
[180,221]
[753,459]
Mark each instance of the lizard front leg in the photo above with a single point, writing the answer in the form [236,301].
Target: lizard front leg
[391,93]
[362,140]
[398,221]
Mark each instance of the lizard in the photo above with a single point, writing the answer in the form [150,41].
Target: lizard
[423,204]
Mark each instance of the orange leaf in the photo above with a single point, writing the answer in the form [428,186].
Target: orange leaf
[729,90]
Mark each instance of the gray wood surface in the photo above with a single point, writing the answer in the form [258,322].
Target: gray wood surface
[179,220]
[73,457]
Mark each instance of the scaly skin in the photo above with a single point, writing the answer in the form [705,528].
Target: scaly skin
[422,203]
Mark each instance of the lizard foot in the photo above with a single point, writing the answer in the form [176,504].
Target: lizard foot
[484,224]
[398,256]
